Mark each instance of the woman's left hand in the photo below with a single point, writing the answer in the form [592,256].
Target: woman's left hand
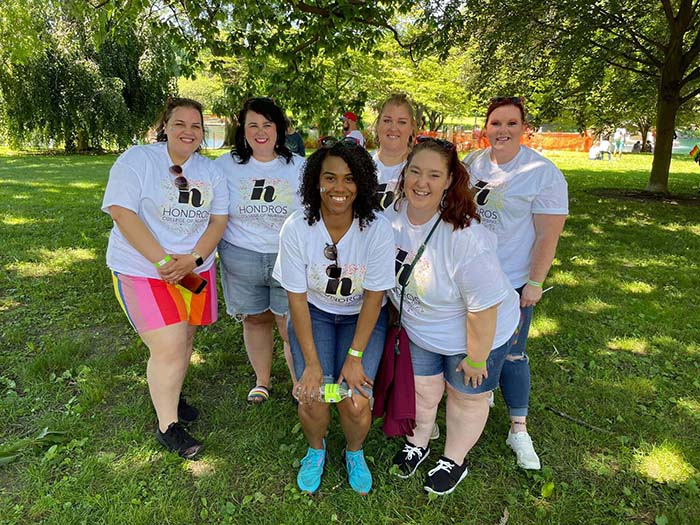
[471,374]
[184,263]
[531,296]
[353,373]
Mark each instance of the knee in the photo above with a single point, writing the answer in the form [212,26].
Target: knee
[514,358]
[467,399]
[429,390]
[312,410]
[357,412]
[259,320]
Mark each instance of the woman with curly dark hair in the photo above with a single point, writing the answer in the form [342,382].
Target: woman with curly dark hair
[458,308]
[336,262]
[263,178]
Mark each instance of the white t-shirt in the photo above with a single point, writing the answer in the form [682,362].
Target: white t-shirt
[457,273]
[261,197]
[509,195]
[357,135]
[388,177]
[140,181]
[365,256]
[620,134]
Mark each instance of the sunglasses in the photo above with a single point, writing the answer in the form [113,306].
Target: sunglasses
[180,180]
[329,142]
[518,101]
[444,144]
[330,252]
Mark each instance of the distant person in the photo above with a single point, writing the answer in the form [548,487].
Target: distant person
[263,179]
[605,147]
[169,206]
[395,129]
[619,139]
[594,152]
[637,147]
[294,142]
[350,128]
[647,148]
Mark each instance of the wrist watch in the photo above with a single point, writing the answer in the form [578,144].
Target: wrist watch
[197,259]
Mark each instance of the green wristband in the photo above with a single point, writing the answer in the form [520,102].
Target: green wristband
[534,283]
[354,353]
[471,363]
[165,260]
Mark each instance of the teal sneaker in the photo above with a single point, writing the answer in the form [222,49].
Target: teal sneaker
[309,476]
[359,476]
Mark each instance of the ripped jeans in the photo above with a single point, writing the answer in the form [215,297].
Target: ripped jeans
[515,375]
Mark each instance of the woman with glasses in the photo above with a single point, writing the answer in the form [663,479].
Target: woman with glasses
[336,262]
[263,178]
[169,205]
[458,309]
[395,128]
[522,198]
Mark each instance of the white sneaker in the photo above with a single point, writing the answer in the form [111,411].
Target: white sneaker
[521,443]
[436,432]
[492,402]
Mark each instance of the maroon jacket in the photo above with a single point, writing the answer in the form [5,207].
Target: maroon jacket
[394,387]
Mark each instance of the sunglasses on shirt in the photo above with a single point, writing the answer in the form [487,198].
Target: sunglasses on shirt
[180,180]
[330,252]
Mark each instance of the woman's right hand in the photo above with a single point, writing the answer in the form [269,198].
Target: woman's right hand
[309,385]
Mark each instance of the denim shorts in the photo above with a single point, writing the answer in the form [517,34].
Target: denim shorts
[246,278]
[427,363]
[333,336]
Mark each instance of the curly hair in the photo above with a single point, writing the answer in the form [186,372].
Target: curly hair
[457,206]
[364,173]
[266,107]
[171,104]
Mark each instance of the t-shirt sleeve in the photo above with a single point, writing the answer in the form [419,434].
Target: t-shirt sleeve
[290,268]
[478,274]
[381,254]
[125,181]
[553,197]
[219,205]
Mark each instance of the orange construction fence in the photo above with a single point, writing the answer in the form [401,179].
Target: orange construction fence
[468,140]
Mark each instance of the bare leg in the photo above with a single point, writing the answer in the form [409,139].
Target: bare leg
[466,418]
[355,421]
[166,369]
[282,329]
[314,419]
[258,338]
[429,390]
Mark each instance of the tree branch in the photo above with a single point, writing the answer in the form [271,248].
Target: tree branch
[668,11]
[690,96]
[629,68]
[627,27]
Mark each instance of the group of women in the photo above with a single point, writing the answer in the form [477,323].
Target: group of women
[320,248]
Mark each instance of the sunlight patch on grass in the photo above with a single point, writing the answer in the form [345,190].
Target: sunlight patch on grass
[594,305]
[675,227]
[594,228]
[201,468]
[563,278]
[544,326]
[637,287]
[582,261]
[601,464]
[8,304]
[690,405]
[52,261]
[84,185]
[635,345]
[15,220]
[197,358]
[20,196]
[664,463]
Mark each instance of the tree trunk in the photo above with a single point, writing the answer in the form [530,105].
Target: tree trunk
[668,102]
[229,132]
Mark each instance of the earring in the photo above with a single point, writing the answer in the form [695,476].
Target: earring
[443,204]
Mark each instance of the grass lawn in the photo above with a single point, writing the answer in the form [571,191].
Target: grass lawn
[615,345]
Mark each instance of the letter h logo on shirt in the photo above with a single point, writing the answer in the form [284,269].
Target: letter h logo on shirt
[401,268]
[190,196]
[385,197]
[260,191]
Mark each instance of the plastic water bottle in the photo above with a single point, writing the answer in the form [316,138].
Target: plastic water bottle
[333,393]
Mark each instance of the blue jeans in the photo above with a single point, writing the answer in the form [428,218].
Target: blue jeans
[515,375]
[333,336]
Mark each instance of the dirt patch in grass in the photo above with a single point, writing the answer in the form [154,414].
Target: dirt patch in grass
[685,199]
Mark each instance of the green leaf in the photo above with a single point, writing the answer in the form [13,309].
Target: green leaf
[661,520]
[4,460]
[547,489]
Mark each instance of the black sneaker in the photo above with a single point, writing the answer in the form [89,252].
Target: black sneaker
[176,439]
[409,458]
[445,476]
[186,413]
